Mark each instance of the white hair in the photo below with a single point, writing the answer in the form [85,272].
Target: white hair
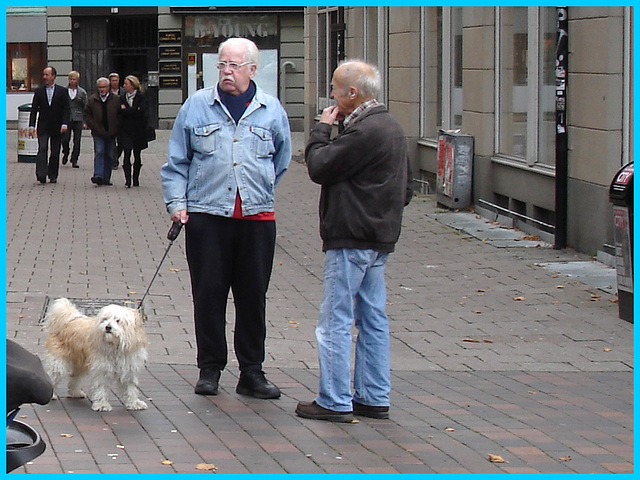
[362,75]
[252,54]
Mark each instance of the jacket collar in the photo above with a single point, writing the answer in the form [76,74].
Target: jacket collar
[373,110]
[259,100]
[259,97]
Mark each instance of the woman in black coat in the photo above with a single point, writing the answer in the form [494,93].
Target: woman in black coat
[133,112]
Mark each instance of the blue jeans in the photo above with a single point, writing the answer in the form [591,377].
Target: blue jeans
[354,289]
[102,152]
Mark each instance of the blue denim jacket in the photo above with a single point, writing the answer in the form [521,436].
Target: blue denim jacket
[211,158]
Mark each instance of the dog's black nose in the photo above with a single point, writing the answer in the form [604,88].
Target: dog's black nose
[108,328]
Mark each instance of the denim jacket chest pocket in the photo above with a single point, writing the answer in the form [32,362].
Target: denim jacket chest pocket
[263,141]
[205,138]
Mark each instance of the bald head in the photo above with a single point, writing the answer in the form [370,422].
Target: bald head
[361,76]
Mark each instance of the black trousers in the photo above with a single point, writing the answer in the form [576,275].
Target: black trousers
[75,127]
[229,254]
[48,167]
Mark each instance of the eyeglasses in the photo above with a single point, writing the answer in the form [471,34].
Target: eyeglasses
[232,65]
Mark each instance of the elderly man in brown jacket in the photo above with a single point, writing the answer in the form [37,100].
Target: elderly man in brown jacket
[101,116]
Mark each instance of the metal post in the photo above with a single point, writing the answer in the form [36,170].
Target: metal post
[562,63]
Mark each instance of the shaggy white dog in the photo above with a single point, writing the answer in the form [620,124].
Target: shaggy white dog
[109,349]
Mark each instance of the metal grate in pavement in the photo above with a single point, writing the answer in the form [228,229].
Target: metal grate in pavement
[90,306]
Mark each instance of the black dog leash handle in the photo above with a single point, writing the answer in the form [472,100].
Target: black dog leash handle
[173,233]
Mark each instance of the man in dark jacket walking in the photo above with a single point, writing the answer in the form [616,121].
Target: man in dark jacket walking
[101,116]
[51,106]
[366,183]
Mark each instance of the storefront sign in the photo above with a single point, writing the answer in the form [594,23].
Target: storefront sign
[170,36]
[171,67]
[169,52]
[209,30]
[172,81]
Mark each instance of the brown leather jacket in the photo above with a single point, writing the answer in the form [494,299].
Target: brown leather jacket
[94,119]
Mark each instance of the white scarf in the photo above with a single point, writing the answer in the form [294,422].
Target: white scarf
[130,97]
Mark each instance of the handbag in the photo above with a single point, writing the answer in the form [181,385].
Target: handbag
[150,133]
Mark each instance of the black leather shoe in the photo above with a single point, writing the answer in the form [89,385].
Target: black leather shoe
[96,180]
[207,384]
[65,159]
[107,183]
[75,165]
[315,412]
[42,180]
[254,384]
[370,411]
[53,180]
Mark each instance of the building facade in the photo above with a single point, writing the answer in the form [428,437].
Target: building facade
[172,50]
[494,73]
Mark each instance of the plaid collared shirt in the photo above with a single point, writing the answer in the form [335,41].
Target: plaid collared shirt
[359,111]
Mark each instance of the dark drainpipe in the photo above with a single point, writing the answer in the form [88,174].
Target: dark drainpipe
[562,64]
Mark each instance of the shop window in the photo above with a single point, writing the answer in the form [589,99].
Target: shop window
[25,62]
[331,49]
[526,84]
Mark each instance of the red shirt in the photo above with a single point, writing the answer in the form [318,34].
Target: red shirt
[237,212]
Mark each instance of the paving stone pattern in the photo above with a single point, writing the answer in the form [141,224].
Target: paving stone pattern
[492,352]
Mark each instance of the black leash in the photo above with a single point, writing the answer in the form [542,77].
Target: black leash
[174,231]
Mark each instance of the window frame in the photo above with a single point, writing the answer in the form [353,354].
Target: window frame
[334,51]
[446,64]
[378,56]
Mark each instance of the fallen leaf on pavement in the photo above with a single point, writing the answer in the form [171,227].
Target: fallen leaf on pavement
[449,429]
[565,459]
[166,462]
[471,340]
[175,269]
[496,459]
[206,466]
[519,299]
[607,349]
[66,435]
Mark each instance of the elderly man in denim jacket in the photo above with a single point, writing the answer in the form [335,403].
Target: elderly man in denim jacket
[229,148]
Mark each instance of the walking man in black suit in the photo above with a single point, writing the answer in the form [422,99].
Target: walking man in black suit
[52,103]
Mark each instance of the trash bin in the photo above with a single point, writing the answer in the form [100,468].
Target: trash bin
[27,147]
[621,195]
[455,164]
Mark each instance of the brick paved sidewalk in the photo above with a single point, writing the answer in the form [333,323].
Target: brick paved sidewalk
[491,353]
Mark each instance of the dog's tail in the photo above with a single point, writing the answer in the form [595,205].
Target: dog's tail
[59,313]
